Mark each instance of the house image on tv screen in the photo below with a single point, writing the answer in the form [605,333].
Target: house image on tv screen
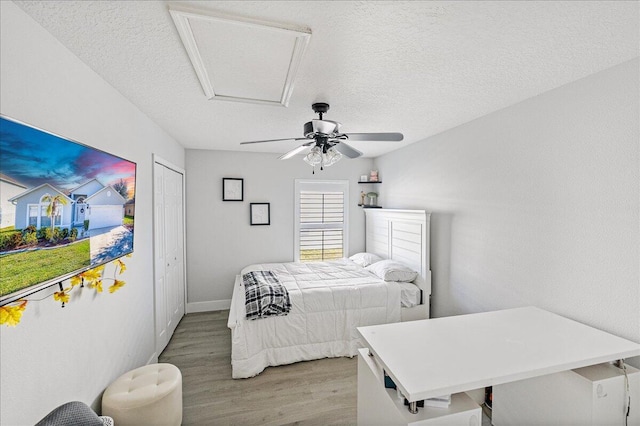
[8,188]
[62,208]
[102,206]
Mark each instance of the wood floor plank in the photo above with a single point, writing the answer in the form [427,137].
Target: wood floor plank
[321,392]
[310,393]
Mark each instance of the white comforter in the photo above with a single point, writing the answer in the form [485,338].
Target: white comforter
[328,301]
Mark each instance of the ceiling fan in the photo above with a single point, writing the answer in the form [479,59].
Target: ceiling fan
[327,143]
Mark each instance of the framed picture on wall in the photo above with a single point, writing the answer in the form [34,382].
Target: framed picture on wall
[260,213]
[232,189]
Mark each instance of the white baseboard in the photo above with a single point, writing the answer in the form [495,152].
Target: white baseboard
[212,305]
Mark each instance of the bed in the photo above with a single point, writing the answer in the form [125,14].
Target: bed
[330,299]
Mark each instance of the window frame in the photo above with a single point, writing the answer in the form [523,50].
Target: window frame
[321,185]
[37,216]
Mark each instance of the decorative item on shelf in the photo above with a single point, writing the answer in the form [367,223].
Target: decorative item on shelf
[364,178]
[373,198]
[374,176]
[362,195]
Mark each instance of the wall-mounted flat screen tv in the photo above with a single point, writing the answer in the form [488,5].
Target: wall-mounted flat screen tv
[65,208]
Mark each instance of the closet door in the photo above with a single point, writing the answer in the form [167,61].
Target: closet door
[169,252]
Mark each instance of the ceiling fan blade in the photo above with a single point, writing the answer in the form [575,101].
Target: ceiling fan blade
[347,151]
[275,140]
[294,151]
[388,137]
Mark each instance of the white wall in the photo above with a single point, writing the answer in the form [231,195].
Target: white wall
[535,204]
[220,240]
[57,355]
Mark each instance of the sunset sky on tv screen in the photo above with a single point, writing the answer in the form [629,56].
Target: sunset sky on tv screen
[33,157]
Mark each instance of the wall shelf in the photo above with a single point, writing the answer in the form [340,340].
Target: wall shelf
[363,194]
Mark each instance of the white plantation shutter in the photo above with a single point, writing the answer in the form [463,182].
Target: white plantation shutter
[321,220]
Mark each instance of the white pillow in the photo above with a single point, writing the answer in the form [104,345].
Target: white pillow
[365,259]
[390,270]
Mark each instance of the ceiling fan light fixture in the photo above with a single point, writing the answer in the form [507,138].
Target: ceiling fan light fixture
[331,157]
[314,157]
[329,144]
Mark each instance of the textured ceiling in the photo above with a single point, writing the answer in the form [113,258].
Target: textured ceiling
[413,67]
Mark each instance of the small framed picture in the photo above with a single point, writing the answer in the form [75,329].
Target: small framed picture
[260,213]
[232,189]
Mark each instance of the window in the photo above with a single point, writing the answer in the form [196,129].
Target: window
[33,215]
[43,220]
[321,220]
[57,220]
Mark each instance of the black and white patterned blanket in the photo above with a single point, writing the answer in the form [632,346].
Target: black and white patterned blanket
[264,295]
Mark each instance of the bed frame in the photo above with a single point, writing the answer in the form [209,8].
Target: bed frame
[403,235]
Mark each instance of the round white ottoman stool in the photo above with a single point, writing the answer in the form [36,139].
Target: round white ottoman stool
[149,395]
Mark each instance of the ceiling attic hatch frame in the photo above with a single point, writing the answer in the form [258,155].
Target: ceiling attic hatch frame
[241,59]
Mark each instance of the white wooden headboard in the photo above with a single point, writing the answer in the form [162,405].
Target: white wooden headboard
[403,235]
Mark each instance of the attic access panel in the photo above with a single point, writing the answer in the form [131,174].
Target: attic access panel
[241,59]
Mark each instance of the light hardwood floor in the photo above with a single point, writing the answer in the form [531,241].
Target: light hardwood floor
[321,392]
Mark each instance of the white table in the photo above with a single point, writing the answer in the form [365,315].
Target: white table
[442,356]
